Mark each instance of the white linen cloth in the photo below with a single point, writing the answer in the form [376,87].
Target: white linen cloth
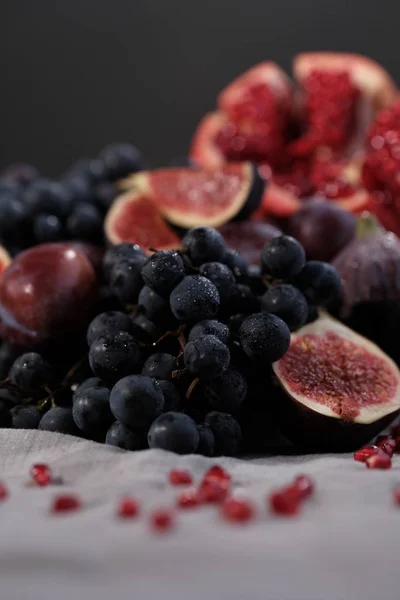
[344,546]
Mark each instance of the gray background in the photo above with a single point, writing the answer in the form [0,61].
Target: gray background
[77,74]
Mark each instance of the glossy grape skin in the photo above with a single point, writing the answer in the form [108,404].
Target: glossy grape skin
[59,419]
[203,244]
[25,417]
[210,327]
[206,445]
[227,433]
[323,229]
[45,293]
[91,412]
[136,401]
[122,437]
[159,365]
[174,431]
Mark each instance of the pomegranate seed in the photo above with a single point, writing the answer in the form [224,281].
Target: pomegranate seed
[66,503]
[365,452]
[283,503]
[177,477]
[128,508]
[188,499]
[304,485]
[211,492]
[162,520]
[379,461]
[41,474]
[216,475]
[237,510]
[3,491]
[396,494]
[388,446]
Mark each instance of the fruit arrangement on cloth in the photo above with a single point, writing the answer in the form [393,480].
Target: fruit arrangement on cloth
[236,302]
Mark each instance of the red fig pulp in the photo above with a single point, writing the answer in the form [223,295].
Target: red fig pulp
[340,387]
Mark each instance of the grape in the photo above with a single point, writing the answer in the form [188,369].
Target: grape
[264,337]
[118,253]
[282,258]
[145,330]
[243,300]
[206,445]
[8,399]
[203,244]
[136,401]
[31,372]
[121,159]
[126,280]
[85,223]
[91,412]
[122,437]
[195,298]
[48,197]
[288,303]
[108,323]
[45,294]
[163,271]
[174,431]
[172,399]
[237,264]
[323,229]
[320,282]
[104,194]
[87,168]
[79,189]
[159,366]
[13,214]
[210,327]
[47,228]
[254,280]
[221,276]
[7,356]
[227,433]
[114,356]
[227,392]
[85,385]
[206,357]
[59,419]
[25,416]
[155,308]
[19,173]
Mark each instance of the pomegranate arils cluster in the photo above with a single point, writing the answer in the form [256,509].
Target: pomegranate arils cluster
[365,452]
[380,460]
[387,444]
[288,500]
[188,499]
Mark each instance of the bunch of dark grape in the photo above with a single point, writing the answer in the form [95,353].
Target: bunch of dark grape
[34,209]
[178,344]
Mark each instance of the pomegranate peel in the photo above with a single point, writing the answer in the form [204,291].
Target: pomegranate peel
[340,388]
[204,151]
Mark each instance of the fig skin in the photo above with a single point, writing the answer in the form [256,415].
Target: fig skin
[370,271]
[316,426]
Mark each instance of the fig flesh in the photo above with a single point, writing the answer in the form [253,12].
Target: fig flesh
[340,388]
[134,218]
[201,197]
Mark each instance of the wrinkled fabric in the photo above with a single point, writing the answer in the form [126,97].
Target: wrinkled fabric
[344,546]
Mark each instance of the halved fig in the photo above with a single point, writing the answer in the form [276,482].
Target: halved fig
[135,219]
[340,94]
[5,259]
[340,388]
[202,197]
[249,238]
